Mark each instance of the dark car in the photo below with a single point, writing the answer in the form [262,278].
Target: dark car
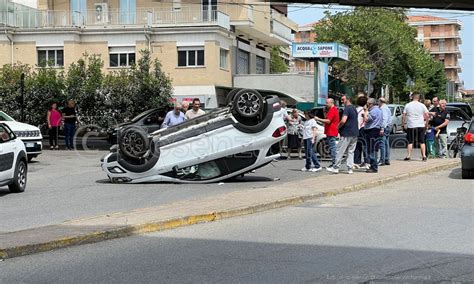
[464,106]
[149,120]
[467,153]
[319,111]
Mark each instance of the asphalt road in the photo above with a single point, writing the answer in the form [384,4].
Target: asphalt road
[65,185]
[418,230]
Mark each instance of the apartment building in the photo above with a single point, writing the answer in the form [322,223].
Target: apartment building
[201,44]
[305,33]
[441,37]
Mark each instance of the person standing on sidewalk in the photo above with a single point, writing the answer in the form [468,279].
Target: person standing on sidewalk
[173,117]
[70,120]
[373,131]
[440,122]
[53,118]
[387,128]
[195,111]
[294,129]
[414,120]
[361,147]
[331,124]
[349,130]
[310,129]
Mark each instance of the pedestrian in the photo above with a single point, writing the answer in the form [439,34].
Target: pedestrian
[427,103]
[309,138]
[373,131]
[331,125]
[343,100]
[414,120]
[431,135]
[361,148]
[70,120]
[294,134]
[184,106]
[385,138]
[195,111]
[440,122]
[53,118]
[349,131]
[434,106]
[173,117]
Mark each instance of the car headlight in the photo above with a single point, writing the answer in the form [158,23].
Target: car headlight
[26,134]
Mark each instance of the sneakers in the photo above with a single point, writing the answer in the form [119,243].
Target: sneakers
[315,169]
[350,172]
[371,170]
[356,166]
[304,169]
[332,170]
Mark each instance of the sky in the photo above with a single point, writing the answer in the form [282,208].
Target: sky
[304,14]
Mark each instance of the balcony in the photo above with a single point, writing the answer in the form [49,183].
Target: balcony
[457,67]
[191,15]
[438,50]
[281,31]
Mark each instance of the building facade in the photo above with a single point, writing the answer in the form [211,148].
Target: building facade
[305,33]
[441,37]
[201,45]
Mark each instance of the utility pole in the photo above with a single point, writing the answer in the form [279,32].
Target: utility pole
[22,99]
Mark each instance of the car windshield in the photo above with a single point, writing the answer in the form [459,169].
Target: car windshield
[458,115]
[392,109]
[5,117]
[141,115]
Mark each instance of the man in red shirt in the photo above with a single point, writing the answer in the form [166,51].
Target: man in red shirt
[331,124]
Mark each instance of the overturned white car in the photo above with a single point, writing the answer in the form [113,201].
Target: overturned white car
[224,143]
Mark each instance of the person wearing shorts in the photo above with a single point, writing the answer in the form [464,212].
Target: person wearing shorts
[414,121]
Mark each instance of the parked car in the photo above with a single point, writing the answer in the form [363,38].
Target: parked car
[456,119]
[13,160]
[464,106]
[149,120]
[397,113]
[224,143]
[467,153]
[29,134]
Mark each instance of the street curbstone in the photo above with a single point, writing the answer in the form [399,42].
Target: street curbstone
[120,231]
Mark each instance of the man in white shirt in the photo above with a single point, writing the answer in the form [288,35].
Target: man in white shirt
[195,111]
[414,120]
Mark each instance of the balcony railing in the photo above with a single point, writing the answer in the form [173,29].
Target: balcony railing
[186,15]
[444,50]
[281,30]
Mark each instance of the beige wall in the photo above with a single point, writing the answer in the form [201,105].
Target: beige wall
[210,74]
[25,52]
[5,53]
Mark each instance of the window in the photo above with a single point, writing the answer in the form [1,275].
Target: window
[121,56]
[260,68]
[50,57]
[223,58]
[176,5]
[243,59]
[190,56]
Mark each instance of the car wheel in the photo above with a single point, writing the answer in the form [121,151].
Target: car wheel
[323,149]
[134,142]
[394,129]
[30,158]
[231,94]
[467,174]
[19,180]
[248,103]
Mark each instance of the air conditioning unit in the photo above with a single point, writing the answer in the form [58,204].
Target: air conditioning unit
[101,13]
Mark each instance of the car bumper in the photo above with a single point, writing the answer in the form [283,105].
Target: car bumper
[467,157]
[33,147]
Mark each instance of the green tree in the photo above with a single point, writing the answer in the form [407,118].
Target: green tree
[10,96]
[277,64]
[380,40]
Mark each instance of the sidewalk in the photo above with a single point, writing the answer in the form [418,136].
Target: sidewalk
[213,208]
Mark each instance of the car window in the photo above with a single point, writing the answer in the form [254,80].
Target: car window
[392,109]
[458,115]
[5,134]
[5,117]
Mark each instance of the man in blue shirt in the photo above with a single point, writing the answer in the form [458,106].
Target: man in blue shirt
[387,127]
[373,130]
[173,117]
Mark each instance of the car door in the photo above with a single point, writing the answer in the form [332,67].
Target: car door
[154,120]
[7,153]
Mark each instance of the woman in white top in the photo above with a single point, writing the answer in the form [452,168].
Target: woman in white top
[295,128]
[310,128]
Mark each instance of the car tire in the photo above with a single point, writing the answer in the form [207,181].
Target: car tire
[30,158]
[133,142]
[467,174]
[323,149]
[19,179]
[394,129]
[230,96]
[248,103]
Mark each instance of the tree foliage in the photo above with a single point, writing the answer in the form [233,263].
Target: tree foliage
[380,40]
[277,64]
[101,98]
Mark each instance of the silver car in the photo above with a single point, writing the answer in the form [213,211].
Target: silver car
[456,118]
[397,111]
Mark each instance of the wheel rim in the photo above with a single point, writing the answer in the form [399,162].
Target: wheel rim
[22,175]
[248,104]
[133,144]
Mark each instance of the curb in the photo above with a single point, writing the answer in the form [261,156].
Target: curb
[130,230]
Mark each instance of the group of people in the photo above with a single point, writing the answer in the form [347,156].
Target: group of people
[181,112]
[364,130]
[426,124]
[66,118]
